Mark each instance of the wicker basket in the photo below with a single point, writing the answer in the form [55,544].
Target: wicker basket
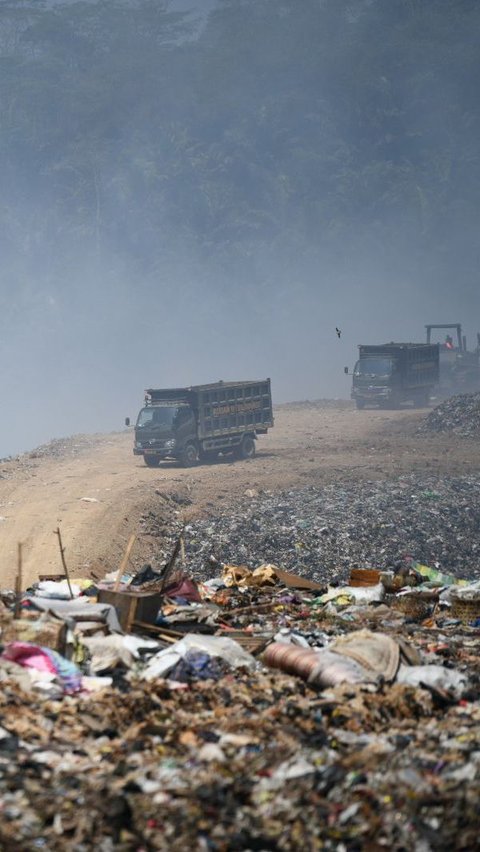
[411,605]
[466,609]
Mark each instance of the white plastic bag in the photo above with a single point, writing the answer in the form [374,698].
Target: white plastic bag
[438,677]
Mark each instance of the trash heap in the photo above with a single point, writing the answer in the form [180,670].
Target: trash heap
[257,709]
[325,532]
[459,415]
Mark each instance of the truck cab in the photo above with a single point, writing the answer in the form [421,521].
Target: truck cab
[162,431]
[374,379]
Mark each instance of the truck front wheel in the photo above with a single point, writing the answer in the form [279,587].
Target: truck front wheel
[246,449]
[151,461]
[189,456]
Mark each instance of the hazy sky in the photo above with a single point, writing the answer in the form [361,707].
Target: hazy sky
[78,348]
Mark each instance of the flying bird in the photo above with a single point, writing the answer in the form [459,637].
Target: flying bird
[338,332]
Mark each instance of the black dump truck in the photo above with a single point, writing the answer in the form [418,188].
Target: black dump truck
[390,374]
[198,423]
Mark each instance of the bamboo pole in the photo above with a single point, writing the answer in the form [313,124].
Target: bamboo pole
[62,556]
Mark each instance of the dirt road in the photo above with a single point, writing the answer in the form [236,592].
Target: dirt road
[97,492]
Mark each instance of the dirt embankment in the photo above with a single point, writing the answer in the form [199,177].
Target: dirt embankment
[98,493]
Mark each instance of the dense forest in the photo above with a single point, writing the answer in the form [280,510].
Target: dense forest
[165,154]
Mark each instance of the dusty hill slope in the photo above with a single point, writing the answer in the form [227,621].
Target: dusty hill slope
[98,493]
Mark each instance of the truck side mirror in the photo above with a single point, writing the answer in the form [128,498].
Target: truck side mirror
[345,370]
[127,421]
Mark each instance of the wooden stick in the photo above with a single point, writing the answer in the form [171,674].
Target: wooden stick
[159,631]
[124,563]
[62,555]
[162,632]
[18,584]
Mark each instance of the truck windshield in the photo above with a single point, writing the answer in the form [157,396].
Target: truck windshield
[157,416]
[373,367]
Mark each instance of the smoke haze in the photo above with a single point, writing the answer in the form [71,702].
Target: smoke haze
[235,207]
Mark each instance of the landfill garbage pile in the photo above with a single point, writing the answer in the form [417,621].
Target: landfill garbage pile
[256,710]
[324,532]
[459,415]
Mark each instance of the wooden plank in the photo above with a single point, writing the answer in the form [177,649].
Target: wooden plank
[293,581]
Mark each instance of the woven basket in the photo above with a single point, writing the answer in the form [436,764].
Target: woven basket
[410,605]
[466,609]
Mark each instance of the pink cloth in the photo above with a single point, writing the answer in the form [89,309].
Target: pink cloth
[30,656]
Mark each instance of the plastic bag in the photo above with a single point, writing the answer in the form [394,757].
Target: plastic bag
[437,677]
[215,646]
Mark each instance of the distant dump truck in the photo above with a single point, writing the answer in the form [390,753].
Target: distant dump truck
[390,374]
[197,423]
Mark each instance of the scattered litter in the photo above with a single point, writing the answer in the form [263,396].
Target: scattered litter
[283,673]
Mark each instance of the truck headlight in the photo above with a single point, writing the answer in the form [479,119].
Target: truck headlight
[170,443]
